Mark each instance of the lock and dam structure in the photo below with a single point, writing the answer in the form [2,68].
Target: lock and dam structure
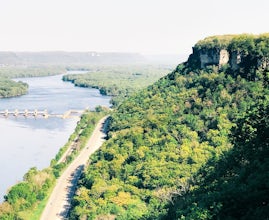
[40,114]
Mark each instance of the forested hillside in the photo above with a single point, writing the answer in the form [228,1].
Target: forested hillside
[194,145]
[236,186]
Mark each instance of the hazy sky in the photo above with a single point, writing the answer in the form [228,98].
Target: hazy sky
[145,26]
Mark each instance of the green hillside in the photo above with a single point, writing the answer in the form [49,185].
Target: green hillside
[236,186]
[167,142]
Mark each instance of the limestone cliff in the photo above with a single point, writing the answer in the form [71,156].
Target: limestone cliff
[214,56]
[236,51]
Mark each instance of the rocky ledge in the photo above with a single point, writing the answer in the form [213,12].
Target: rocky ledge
[235,51]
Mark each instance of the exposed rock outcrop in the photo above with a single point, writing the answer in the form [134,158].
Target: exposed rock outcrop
[240,52]
[214,56]
[235,60]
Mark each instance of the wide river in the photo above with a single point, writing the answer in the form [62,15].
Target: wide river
[29,142]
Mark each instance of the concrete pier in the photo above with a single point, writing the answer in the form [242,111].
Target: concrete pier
[39,114]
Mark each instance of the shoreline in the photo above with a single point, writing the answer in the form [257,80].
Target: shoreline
[58,205]
[84,128]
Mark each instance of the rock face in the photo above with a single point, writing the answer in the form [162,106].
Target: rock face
[224,57]
[213,57]
[242,53]
[238,58]
[219,57]
[235,60]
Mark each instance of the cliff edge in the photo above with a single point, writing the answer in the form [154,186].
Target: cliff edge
[238,53]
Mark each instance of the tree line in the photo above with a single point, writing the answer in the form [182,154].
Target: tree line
[119,81]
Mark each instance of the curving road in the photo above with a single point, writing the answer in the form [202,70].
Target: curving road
[59,202]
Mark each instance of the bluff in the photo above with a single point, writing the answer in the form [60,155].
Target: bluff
[194,145]
[238,52]
[165,141]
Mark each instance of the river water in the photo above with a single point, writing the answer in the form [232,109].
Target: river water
[29,142]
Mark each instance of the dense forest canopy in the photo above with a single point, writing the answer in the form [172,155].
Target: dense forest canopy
[119,81]
[212,42]
[194,145]
[235,42]
[236,186]
[178,149]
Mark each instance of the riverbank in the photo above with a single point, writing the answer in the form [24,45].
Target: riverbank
[60,199]
[35,141]
[23,198]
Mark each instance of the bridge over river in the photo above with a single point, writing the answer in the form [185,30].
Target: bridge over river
[40,114]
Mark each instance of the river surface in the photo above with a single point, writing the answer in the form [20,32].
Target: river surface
[30,142]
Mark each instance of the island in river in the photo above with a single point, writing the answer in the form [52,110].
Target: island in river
[10,88]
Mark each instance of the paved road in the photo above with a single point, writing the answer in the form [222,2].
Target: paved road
[59,201]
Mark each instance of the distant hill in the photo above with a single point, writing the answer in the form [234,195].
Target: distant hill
[68,58]
[173,59]
[8,58]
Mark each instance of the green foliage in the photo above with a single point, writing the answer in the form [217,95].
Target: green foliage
[21,191]
[25,195]
[219,41]
[177,150]
[9,88]
[22,199]
[158,140]
[118,81]
[236,186]
[243,43]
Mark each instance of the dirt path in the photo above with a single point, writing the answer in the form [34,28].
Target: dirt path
[59,201]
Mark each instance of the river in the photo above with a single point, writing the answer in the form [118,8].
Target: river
[30,142]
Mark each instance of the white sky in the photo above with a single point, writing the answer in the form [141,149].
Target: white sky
[145,26]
